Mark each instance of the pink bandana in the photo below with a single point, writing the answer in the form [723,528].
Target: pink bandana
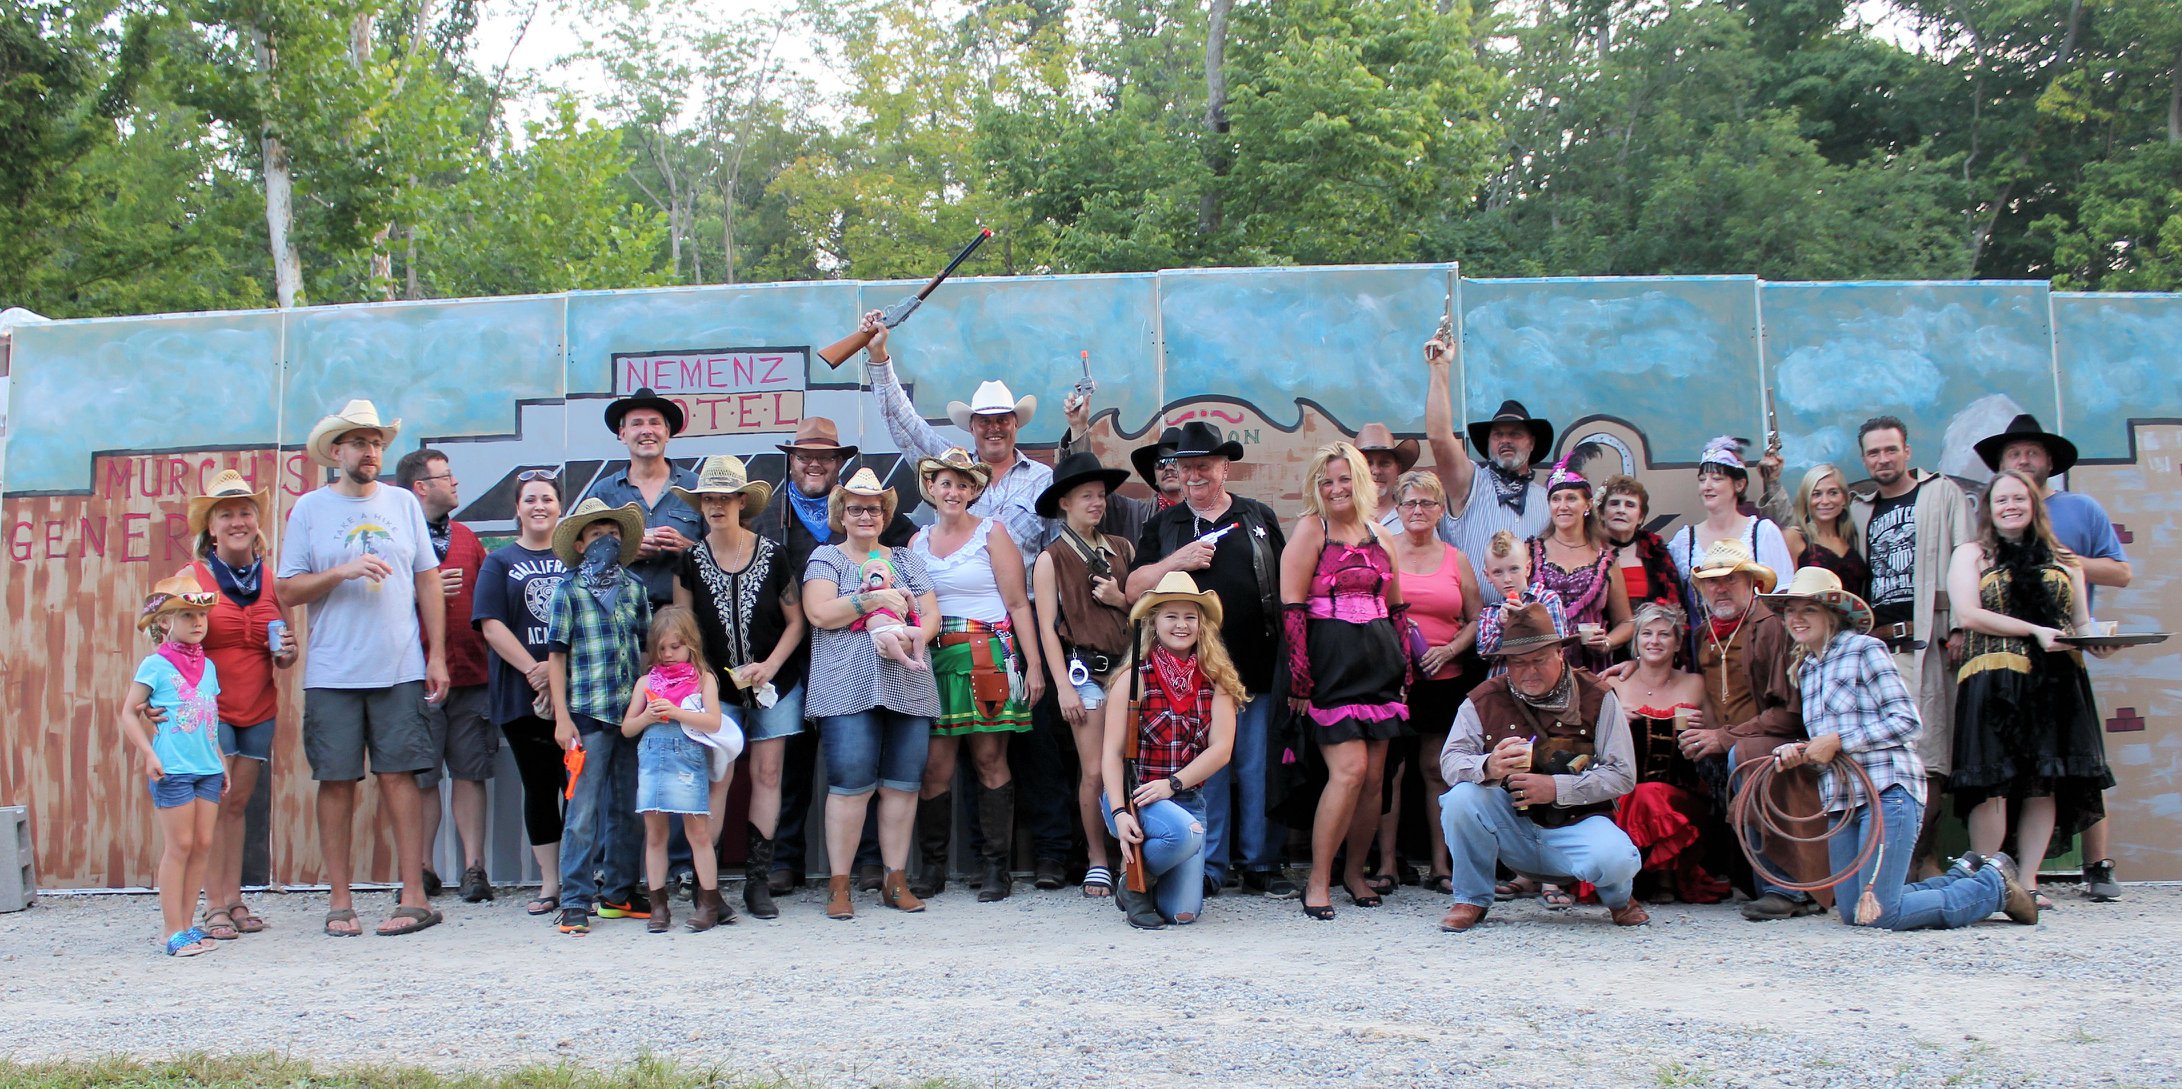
[188,660]
[672,681]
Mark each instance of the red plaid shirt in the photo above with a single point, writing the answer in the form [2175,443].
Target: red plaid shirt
[1169,735]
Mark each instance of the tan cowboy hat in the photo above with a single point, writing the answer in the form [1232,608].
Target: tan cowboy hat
[723,474]
[228,485]
[1377,438]
[1823,586]
[173,593]
[1525,628]
[816,435]
[992,399]
[952,459]
[1177,586]
[593,509]
[865,483]
[357,415]
[1730,556]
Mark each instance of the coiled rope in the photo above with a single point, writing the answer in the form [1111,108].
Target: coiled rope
[1753,805]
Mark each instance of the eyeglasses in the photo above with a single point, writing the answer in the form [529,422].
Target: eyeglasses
[441,476]
[852,510]
[364,444]
[1419,504]
[528,475]
[826,458]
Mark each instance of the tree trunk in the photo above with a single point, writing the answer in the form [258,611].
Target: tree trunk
[2174,102]
[1208,204]
[409,260]
[727,231]
[279,195]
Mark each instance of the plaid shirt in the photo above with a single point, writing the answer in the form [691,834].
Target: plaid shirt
[1169,736]
[1013,496]
[1852,690]
[603,650]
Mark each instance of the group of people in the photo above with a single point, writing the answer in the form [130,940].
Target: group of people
[1165,685]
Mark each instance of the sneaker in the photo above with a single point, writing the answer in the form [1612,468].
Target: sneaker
[575,921]
[1773,906]
[2099,883]
[1272,884]
[637,906]
[433,886]
[2016,902]
[475,888]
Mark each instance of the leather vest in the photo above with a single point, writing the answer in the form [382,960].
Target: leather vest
[1556,741]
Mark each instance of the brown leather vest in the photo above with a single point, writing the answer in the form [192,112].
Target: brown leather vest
[1555,741]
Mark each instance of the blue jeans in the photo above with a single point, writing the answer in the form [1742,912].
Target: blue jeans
[1949,900]
[1238,821]
[874,748]
[601,832]
[1483,827]
[1174,848]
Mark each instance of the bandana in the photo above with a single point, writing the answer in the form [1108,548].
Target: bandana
[1160,502]
[241,586]
[672,681]
[600,572]
[1177,675]
[188,660]
[443,535]
[1554,702]
[1512,489]
[1724,629]
[811,511]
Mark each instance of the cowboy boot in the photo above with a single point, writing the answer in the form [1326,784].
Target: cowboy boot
[935,827]
[707,910]
[894,892]
[662,917]
[1142,910]
[839,905]
[996,814]
[757,896]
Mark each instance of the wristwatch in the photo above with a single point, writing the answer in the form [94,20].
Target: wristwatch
[1174,783]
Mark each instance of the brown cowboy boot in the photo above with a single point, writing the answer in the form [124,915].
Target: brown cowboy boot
[710,910]
[662,917]
[894,893]
[838,902]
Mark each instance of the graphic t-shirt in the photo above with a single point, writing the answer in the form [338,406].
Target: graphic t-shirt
[1893,558]
[363,634]
[515,586]
[188,740]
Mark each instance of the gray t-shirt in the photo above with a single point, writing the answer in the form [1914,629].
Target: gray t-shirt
[847,675]
[363,634]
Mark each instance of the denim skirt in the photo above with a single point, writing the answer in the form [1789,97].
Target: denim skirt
[673,772]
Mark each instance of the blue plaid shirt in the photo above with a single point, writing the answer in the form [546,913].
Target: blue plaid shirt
[604,651]
[1852,690]
[1013,495]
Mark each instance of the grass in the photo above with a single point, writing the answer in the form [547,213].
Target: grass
[251,1071]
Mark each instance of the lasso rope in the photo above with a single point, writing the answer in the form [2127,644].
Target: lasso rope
[1753,804]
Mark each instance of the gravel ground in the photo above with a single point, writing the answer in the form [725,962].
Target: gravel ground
[1049,989]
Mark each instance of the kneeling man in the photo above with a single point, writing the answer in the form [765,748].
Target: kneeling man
[1537,756]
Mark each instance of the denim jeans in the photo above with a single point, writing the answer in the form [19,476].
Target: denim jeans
[1483,827]
[601,832]
[872,749]
[1174,848]
[1949,900]
[1235,797]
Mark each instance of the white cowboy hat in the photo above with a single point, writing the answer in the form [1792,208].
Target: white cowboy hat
[1823,586]
[992,399]
[357,415]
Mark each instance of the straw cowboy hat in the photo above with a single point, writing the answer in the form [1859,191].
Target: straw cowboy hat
[1081,467]
[1823,586]
[1376,438]
[1177,586]
[1512,411]
[1146,458]
[645,398]
[865,483]
[2025,428]
[992,399]
[594,509]
[723,474]
[816,435]
[228,485]
[1730,556]
[171,594]
[357,415]
[1525,628]
[953,459]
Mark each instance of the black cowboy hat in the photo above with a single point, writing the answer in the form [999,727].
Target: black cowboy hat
[644,398]
[1202,440]
[2025,428]
[1511,411]
[1082,467]
[1146,458]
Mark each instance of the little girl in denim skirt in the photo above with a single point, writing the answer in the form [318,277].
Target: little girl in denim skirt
[180,749]
[675,713]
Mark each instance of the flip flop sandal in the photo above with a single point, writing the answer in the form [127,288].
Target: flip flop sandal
[1383,883]
[1098,882]
[189,943]
[220,926]
[1444,884]
[1556,898]
[420,919]
[246,920]
[1508,890]
[342,915]
[542,905]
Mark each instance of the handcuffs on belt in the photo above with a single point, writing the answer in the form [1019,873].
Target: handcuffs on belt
[1084,665]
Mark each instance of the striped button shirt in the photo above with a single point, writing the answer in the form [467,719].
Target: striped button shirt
[1854,691]
[1013,495]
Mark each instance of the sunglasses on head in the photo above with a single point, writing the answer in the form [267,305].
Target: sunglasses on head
[528,475]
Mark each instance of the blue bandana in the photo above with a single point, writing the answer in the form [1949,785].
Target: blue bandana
[811,511]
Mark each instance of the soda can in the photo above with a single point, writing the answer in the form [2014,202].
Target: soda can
[274,629]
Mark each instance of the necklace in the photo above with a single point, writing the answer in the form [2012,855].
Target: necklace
[1725,647]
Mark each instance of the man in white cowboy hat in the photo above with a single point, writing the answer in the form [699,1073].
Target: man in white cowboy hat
[360,557]
[2082,527]
[644,422]
[1501,493]
[1537,757]
[1745,656]
[1912,522]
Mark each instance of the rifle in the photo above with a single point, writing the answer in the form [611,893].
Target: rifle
[1132,870]
[839,351]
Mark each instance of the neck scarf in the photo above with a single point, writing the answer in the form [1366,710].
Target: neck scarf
[188,660]
[443,536]
[1723,631]
[1512,489]
[1160,502]
[1178,675]
[811,511]
[672,681]
[600,572]
[1553,702]
[241,586]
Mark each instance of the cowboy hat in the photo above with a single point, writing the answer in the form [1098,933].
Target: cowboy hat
[593,509]
[1146,458]
[1081,467]
[992,399]
[954,459]
[2025,428]
[723,474]
[1525,628]
[1730,556]
[229,484]
[171,594]
[357,415]
[1823,586]
[866,484]
[816,435]
[1376,438]
[1512,411]
[1177,586]
[1202,440]
[644,398]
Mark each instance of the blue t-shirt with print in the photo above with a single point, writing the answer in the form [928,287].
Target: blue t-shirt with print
[187,742]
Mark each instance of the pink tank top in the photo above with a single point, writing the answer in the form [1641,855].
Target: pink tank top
[1435,603]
